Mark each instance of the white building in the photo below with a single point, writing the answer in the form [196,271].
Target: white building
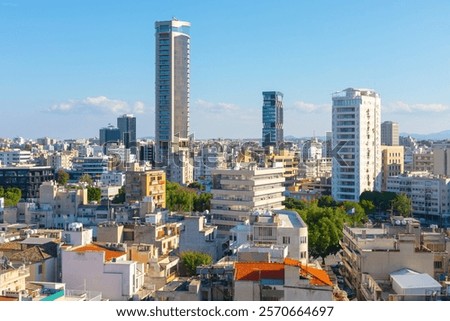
[279,233]
[113,179]
[356,143]
[429,195]
[239,192]
[196,235]
[14,157]
[106,270]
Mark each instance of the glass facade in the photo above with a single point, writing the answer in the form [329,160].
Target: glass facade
[272,117]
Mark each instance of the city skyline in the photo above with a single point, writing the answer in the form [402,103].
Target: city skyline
[84,64]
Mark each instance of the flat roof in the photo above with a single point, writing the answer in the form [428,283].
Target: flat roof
[408,279]
[37,240]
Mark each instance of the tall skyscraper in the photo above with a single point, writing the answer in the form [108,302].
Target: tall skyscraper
[389,133]
[127,129]
[272,117]
[356,143]
[172,99]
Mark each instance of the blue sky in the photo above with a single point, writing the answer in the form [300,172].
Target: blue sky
[68,68]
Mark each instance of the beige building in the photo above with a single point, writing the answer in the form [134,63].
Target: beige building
[289,160]
[392,163]
[423,162]
[371,255]
[240,191]
[441,159]
[140,184]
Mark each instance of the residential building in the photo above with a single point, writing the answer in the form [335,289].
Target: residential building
[140,184]
[441,159]
[196,235]
[290,162]
[268,229]
[286,281]
[429,195]
[127,131]
[14,157]
[103,269]
[272,118]
[209,156]
[371,254]
[389,133]
[27,178]
[113,178]
[356,140]
[172,75]
[423,161]
[12,279]
[240,191]
[392,159]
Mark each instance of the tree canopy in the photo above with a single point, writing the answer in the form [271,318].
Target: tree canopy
[192,259]
[94,194]
[62,177]
[12,195]
[183,199]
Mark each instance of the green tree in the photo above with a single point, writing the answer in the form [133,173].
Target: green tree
[86,178]
[94,194]
[326,201]
[197,185]
[402,205]
[62,177]
[202,202]
[12,195]
[192,259]
[119,198]
[368,206]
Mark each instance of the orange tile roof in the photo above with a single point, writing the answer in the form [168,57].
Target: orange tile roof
[8,298]
[318,277]
[254,271]
[109,254]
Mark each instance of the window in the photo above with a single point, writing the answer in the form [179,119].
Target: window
[286,240]
[438,264]
[40,269]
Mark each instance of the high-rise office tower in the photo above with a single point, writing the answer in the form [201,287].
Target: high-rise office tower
[127,129]
[172,99]
[356,143]
[109,134]
[272,117]
[389,133]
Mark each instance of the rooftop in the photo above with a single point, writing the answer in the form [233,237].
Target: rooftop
[109,254]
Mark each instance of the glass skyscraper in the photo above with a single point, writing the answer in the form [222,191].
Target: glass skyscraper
[272,117]
[127,129]
[172,88]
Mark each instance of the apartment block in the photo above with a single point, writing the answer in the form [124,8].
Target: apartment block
[392,159]
[141,184]
[240,191]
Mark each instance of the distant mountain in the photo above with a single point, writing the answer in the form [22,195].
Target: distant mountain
[434,136]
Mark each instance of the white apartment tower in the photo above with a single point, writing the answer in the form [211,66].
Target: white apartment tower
[172,77]
[356,143]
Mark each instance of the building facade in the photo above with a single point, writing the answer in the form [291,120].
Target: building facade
[272,118]
[356,142]
[127,131]
[172,94]
[392,158]
[239,192]
[141,184]
[389,133]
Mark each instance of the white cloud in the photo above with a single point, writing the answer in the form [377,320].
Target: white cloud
[310,107]
[139,107]
[97,105]
[400,106]
[212,107]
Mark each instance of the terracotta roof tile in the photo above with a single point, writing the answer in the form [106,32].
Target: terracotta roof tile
[254,271]
[109,254]
[318,276]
